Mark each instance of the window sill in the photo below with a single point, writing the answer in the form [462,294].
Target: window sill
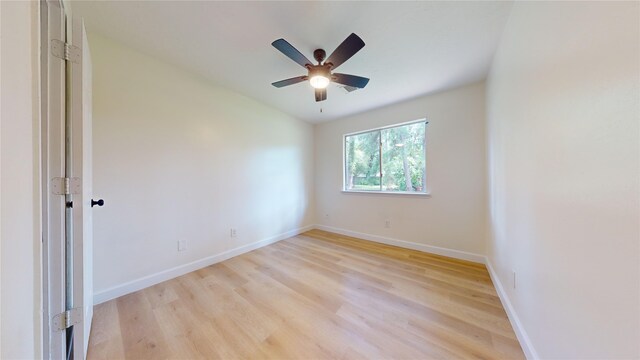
[403,193]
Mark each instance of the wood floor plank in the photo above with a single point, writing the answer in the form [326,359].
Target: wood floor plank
[105,341]
[141,334]
[159,294]
[314,296]
[181,335]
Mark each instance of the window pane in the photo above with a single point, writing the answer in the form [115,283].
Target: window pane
[403,158]
[362,161]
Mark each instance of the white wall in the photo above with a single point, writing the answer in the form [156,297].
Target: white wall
[176,158]
[563,113]
[20,261]
[454,217]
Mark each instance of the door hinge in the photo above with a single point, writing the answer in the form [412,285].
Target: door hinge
[66,186]
[65,51]
[67,319]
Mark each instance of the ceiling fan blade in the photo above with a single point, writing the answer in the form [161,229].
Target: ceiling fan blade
[288,82]
[350,80]
[349,47]
[291,52]
[321,94]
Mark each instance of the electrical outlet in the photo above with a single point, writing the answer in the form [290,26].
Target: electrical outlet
[387,223]
[233,232]
[182,245]
[514,278]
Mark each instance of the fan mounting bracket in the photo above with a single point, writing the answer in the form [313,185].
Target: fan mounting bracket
[319,55]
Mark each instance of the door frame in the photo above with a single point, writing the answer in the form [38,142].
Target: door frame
[53,112]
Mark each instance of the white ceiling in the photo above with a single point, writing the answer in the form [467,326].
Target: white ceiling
[412,48]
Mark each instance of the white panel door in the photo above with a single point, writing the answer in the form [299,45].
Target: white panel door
[80,157]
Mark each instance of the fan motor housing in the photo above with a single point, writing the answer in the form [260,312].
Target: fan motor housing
[320,70]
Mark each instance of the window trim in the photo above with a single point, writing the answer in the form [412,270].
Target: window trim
[426,191]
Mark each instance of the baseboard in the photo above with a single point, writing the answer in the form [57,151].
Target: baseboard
[457,254]
[523,338]
[150,280]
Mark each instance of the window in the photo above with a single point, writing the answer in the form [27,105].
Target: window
[390,159]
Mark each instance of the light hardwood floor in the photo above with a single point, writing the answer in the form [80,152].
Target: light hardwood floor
[314,296]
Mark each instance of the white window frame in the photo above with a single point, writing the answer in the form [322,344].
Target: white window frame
[425,192]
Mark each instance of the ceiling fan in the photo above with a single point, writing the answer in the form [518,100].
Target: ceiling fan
[321,75]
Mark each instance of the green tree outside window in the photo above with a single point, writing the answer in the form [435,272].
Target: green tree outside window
[390,159]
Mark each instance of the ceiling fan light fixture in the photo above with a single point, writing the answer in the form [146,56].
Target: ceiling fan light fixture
[319,81]
[321,75]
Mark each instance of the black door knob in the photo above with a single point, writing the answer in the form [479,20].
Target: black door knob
[99,202]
